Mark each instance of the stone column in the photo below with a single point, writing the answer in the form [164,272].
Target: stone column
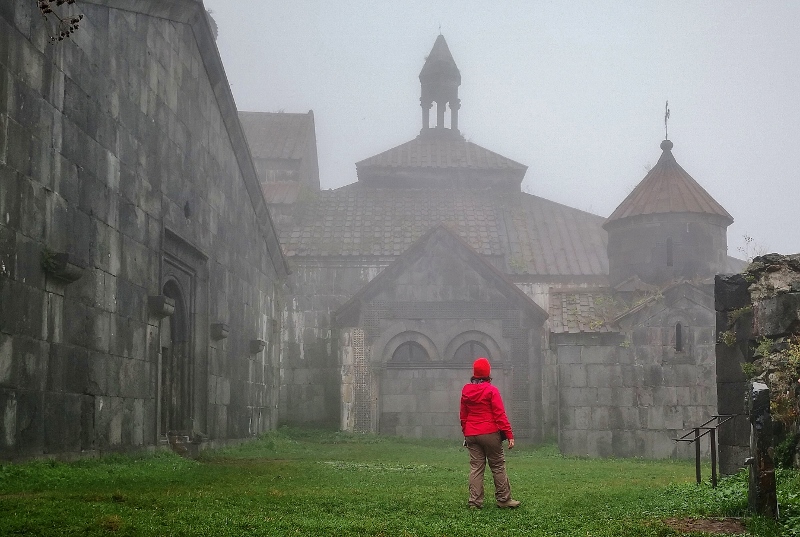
[732,350]
[426,110]
[455,105]
[762,494]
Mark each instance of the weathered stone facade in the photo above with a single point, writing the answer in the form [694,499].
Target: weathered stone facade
[445,301]
[636,389]
[143,289]
[120,147]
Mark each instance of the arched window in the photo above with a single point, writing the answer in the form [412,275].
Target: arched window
[678,338]
[410,352]
[469,351]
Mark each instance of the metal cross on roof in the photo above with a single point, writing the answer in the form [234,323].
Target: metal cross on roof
[666,117]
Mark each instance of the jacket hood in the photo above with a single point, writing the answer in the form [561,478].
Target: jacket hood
[474,392]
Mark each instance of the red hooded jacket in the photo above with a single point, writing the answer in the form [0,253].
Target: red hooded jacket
[482,410]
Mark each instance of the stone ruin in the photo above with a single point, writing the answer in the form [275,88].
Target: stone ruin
[758,367]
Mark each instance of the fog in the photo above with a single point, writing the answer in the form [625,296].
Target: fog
[574,90]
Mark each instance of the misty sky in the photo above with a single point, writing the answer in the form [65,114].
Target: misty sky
[573,89]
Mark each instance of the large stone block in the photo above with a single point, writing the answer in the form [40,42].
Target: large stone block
[599,375]
[30,422]
[573,375]
[9,196]
[8,420]
[82,237]
[18,147]
[673,418]
[596,354]
[627,444]
[573,443]
[599,444]
[732,458]
[730,292]
[29,364]
[729,363]
[569,354]
[731,397]
[109,414]
[777,316]
[62,423]
[67,369]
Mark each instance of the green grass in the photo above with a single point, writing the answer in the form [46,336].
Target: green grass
[296,482]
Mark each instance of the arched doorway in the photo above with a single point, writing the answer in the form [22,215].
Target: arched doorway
[176,365]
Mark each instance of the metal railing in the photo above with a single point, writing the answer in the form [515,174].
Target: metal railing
[699,432]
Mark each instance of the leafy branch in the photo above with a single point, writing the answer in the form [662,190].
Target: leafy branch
[65,23]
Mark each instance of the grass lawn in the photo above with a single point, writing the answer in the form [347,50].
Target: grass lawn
[297,482]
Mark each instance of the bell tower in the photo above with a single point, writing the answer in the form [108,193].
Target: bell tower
[440,79]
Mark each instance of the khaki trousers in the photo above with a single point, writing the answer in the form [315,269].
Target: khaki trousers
[483,448]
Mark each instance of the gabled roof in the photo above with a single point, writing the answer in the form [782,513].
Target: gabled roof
[667,188]
[535,236]
[278,135]
[634,284]
[438,234]
[669,295]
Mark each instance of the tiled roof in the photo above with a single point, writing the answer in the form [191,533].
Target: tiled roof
[577,311]
[445,150]
[277,135]
[548,238]
[354,220]
[534,236]
[436,237]
[667,188]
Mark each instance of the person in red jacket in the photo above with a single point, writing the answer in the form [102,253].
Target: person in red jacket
[485,425]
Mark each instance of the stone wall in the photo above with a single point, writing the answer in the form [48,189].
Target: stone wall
[310,371]
[757,314]
[662,248]
[119,147]
[734,317]
[632,393]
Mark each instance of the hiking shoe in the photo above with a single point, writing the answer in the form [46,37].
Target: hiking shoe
[473,507]
[508,504]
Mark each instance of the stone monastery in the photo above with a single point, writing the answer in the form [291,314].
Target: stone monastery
[171,271]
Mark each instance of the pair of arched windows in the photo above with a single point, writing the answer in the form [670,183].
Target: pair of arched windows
[413,352]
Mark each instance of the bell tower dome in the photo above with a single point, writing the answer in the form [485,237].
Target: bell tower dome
[440,79]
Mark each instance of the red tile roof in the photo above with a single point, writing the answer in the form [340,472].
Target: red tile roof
[667,188]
